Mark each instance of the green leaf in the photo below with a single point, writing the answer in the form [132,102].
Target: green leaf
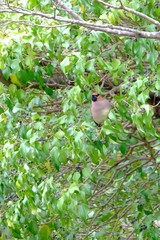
[87,172]
[49,69]
[90,66]
[1,110]
[104,65]
[6,72]
[65,63]
[73,188]
[94,155]
[25,75]
[106,215]
[32,227]
[75,94]
[152,57]
[115,64]
[83,212]
[48,90]
[76,176]
[123,148]
[55,153]
[60,203]
[17,108]
[12,89]
[87,189]
[99,145]
[29,61]
[143,96]
[14,64]
[45,232]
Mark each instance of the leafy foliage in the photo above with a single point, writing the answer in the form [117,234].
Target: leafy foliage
[61,176]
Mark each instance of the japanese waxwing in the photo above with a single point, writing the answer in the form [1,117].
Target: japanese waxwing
[99,108]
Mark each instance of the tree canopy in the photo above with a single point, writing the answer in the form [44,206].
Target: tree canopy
[61,176]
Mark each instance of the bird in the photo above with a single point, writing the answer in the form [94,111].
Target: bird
[100,108]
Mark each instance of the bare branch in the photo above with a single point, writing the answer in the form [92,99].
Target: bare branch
[111,29]
[121,3]
[130,10]
[28,23]
[108,5]
[72,13]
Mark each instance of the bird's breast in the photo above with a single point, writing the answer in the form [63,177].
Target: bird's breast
[100,110]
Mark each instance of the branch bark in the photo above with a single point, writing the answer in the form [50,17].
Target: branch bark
[130,10]
[72,13]
[77,20]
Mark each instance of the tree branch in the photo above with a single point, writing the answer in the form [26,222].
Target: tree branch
[130,10]
[72,13]
[28,23]
[111,29]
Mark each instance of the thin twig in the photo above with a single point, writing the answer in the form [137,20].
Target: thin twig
[130,10]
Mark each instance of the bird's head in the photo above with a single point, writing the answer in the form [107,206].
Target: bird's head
[96,97]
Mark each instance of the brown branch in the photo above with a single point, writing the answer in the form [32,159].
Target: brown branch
[72,13]
[121,3]
[51,85]
[117,30]
[120,186]
[28,23]
[108,5]
[96,227]
[124,211]
[48,111]
[130,10]
[95,192]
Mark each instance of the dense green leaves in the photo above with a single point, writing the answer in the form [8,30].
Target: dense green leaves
[49,174]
